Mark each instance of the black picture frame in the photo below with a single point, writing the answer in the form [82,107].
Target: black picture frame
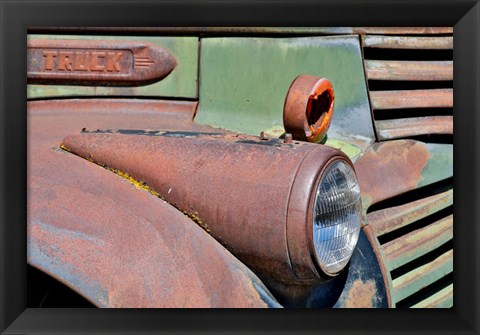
[17,15]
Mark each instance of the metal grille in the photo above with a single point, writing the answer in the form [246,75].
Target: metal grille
[410,81]
[415,239]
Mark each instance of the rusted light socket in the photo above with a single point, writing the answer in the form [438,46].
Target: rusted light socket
[308,108]
[254,196]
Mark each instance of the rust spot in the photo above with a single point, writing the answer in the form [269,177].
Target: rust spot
[361,294]
[389,169]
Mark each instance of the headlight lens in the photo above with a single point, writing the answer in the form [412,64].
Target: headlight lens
[336,217]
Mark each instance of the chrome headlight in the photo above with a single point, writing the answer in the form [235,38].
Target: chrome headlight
[336,217]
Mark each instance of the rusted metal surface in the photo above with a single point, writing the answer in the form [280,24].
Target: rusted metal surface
[120,248]
[114,244]
[412,99]
[419,278]
[361,295]
[308,108]
[101,62]
[390,219]
[417,243]
[400,128]
[408,42]
[262,215]
[409,70]
[254,30]
[389,169]
[387,279]
[441,299]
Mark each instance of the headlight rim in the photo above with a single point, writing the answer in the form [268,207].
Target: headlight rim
[312,196]
[300,213]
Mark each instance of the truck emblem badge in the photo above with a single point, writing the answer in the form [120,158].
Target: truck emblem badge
[86,62]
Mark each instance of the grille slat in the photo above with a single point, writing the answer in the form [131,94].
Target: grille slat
[409,70]
[408,42]
[417,243]
[412,99]
[403,30]
[423,276]
[415,126]
[393,218]
[441,299]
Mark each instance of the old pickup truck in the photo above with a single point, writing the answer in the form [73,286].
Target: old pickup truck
[240,167]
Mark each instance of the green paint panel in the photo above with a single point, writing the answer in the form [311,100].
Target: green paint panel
[181,83]
[351,150]
[439,166]
[244,81]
